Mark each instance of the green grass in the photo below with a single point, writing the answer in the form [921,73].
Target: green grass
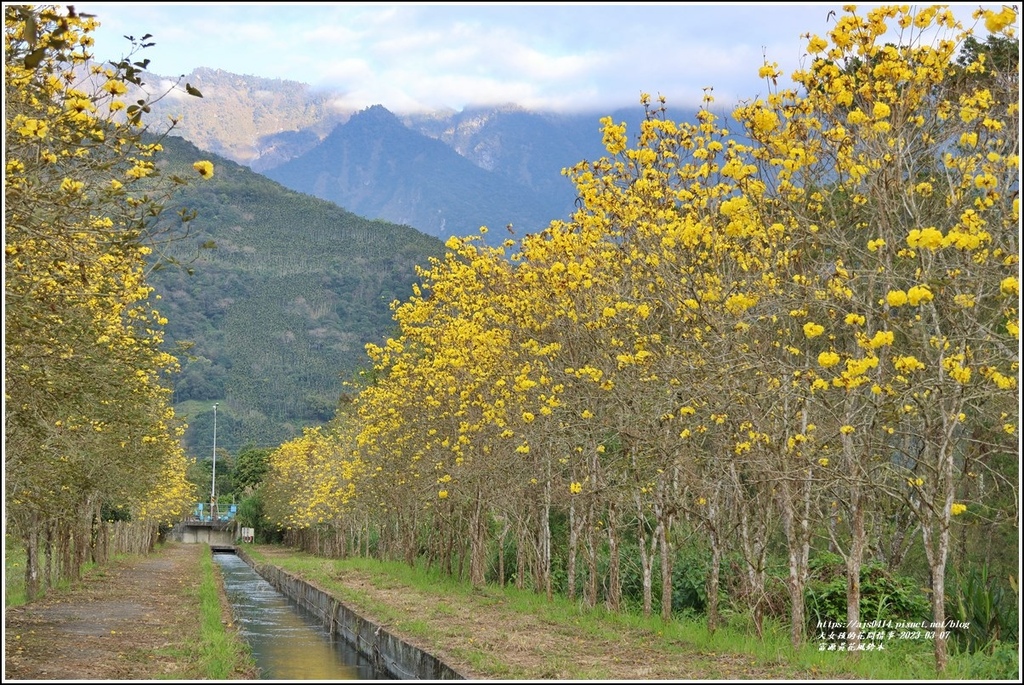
[14,573]
[221,653]
[906,660]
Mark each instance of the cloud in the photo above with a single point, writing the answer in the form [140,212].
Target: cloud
[581,56]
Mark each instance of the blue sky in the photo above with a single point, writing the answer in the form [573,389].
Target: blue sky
[414,56]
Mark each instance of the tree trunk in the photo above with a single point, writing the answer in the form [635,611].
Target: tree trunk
[853,565]
[48,568]
[32,560]
[506,527]
[936,546]
[570,570]
[797,528]
[545,547]
[939,609]
[521,557]
[647,567]
[591,595]
[666,565]
[478,544]
[646,556]
[83,536]
[614,566]
[755,550]
[713,580]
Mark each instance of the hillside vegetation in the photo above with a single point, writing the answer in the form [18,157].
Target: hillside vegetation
[277,313]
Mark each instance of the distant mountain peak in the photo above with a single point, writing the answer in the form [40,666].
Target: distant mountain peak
[379,112]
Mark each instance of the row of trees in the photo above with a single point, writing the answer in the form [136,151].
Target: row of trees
[798,336]
[89,432]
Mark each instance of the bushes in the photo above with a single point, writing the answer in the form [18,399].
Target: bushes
[1000,661]
[689,581]
[987,611]
[883,595]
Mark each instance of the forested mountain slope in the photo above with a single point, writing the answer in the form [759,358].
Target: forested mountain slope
[279,311]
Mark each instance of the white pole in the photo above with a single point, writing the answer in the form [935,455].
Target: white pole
[213,483]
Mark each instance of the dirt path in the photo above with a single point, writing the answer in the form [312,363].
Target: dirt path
[137,619]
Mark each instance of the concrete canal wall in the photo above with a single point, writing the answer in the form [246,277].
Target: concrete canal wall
[388,653]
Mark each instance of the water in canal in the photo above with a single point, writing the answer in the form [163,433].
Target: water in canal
[288,642]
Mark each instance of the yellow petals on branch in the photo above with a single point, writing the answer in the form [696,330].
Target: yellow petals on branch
[764,121]
[919,294]
[70,186]
[114,87]
[880,339]
[896,298]
[813,330]
[828,359]
[855,320]
[79,105]
[907,364]
[739,303]
[30,128]
[969,139]
[929,238]
[140,170]
[1003,382]
[996,22]
[815,45]
[614,136]
[964,300]
[961,374]
[956,508]
[204,168]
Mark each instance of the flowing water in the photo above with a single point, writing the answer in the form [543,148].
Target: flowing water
[288,642]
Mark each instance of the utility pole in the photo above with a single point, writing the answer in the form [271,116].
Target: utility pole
[213,483]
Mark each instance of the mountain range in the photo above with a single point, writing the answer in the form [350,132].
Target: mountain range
[319,217]
[443,173]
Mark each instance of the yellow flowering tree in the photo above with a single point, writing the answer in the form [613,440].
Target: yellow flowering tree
[901,171]
[310,489]
[88,421]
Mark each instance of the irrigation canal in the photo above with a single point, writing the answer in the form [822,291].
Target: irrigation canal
[288,642]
